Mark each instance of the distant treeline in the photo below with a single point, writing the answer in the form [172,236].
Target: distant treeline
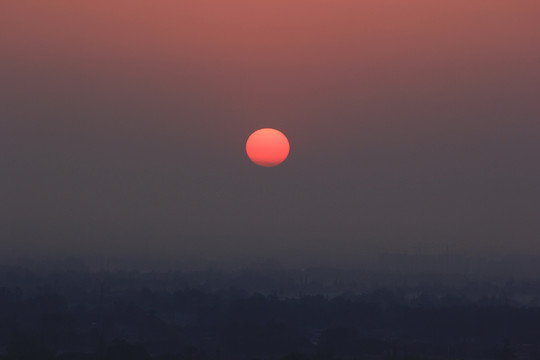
[108,315]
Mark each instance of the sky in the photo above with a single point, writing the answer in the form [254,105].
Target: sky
[414,127]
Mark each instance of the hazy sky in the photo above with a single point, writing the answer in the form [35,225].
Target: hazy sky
[414,126]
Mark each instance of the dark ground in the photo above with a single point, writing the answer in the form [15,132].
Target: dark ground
[271,313]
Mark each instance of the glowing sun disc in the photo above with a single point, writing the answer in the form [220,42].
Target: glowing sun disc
[267,147]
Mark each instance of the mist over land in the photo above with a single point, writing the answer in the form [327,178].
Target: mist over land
[65,310]
[508,267]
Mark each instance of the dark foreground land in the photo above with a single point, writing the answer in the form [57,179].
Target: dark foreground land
[265,314]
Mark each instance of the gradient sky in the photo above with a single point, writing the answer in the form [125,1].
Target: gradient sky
[414,126]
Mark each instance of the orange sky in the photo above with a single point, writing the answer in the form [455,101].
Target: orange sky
[278,58]
[115,109]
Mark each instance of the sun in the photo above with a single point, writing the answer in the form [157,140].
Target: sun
[267,147]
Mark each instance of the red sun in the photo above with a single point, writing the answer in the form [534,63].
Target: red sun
[267,147]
